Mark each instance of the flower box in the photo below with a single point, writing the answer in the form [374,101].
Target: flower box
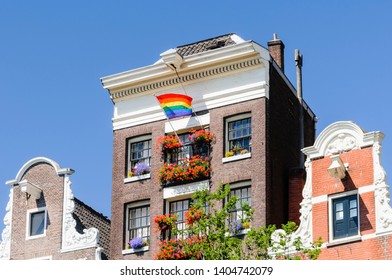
[194,168]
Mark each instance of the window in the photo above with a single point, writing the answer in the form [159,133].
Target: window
[137,221]
[186,150]
[244,195]
[36,226]
[239,134]
[345,216]
[139,152]
[179,208]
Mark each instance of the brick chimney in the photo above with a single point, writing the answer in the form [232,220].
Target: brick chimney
[276,49]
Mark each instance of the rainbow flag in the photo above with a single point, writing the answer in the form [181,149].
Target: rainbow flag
[176,105]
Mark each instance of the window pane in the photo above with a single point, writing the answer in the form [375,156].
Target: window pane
[37,223]
[139,223]
[353,213]
[353,203]
[339,215]
[339,206]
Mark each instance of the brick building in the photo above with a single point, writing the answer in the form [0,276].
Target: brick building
[345,197]
[45,221]
[241,94]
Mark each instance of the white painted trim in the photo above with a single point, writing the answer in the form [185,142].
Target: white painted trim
[196,61]
[332,197]
[209,101]
[366,189]
[44,258]
[137,178]
[324,198]
[319,199]
[187,123]
[28,222]
[134,251]
[34,161]
[233,118]
[71,239]
[185,190]
[340,137]
[237,157]
[128,206]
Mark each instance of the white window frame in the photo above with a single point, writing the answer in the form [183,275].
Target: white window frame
[30,212]
[331,198]
[226,137]
[130,141]
[129,206]
[240,185]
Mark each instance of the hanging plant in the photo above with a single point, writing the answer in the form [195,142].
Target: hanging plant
[196,167]
[201,136]
[169,143]
[166,221]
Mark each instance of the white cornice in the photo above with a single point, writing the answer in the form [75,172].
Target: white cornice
[340,137]
[193,67]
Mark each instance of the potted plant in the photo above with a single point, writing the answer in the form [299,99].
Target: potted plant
[169,142]
[196,167]
[141,168]
[137,243]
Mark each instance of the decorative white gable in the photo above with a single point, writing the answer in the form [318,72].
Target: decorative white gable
[337,138]
[71,239]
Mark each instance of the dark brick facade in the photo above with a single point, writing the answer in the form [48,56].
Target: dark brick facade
[275,151]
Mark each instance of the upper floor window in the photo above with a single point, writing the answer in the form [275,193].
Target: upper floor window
[137,224]
[179,208]
[344,217]
[238,135]
[244,195]
[183,152]
[36,223]
[139,155]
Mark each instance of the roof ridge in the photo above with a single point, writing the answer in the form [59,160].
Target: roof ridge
[204,40]
[90,208]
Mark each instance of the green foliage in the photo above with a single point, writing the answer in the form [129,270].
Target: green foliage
[210,236]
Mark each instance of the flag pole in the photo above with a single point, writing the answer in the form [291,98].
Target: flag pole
[179,141]
[183,88]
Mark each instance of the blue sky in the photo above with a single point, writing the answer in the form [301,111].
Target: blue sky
[53,54]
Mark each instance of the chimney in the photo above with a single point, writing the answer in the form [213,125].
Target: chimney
[276,49]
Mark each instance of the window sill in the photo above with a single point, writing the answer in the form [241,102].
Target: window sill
[235,158]
[344,240]
[137,178]
[134,251]
[239,233]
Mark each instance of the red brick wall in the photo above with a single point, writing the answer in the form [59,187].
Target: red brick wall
[378,248]
[296,183]
[360,174]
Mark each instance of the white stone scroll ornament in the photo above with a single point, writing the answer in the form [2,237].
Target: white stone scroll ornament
[73,240]
[381,192]
[341,143]
[5,242]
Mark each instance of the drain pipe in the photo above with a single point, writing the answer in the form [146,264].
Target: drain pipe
[298,63]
